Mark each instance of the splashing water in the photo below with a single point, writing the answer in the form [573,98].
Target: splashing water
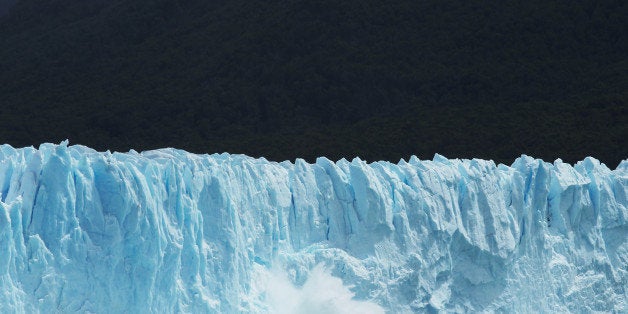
[321,293]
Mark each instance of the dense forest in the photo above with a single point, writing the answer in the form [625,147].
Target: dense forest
[286,79]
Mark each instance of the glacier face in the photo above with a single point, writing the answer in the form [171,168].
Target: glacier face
[169,231]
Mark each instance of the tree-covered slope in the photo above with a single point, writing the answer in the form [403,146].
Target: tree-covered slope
[286,79]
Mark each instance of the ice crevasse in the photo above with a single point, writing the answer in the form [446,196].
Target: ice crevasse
[170,231]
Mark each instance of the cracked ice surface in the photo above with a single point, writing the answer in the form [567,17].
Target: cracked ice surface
[170,231]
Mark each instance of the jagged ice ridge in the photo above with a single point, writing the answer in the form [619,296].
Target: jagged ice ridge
[170,231]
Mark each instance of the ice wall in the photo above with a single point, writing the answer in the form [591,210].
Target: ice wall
[168,231]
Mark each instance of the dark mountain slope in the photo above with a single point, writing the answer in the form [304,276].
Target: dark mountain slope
[489,79]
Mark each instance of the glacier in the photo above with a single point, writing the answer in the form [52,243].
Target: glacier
[170,231]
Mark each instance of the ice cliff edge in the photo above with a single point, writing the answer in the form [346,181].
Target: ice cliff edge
[170,231]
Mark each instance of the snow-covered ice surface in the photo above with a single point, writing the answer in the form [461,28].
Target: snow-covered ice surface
[169,231]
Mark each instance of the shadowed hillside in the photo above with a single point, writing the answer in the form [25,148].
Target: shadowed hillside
[286,79]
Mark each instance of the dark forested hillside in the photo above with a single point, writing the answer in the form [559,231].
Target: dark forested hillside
[286,79]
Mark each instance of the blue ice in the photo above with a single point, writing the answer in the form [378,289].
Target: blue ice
[169,231]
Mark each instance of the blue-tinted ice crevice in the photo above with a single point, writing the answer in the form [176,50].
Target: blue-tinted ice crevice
[169,231]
